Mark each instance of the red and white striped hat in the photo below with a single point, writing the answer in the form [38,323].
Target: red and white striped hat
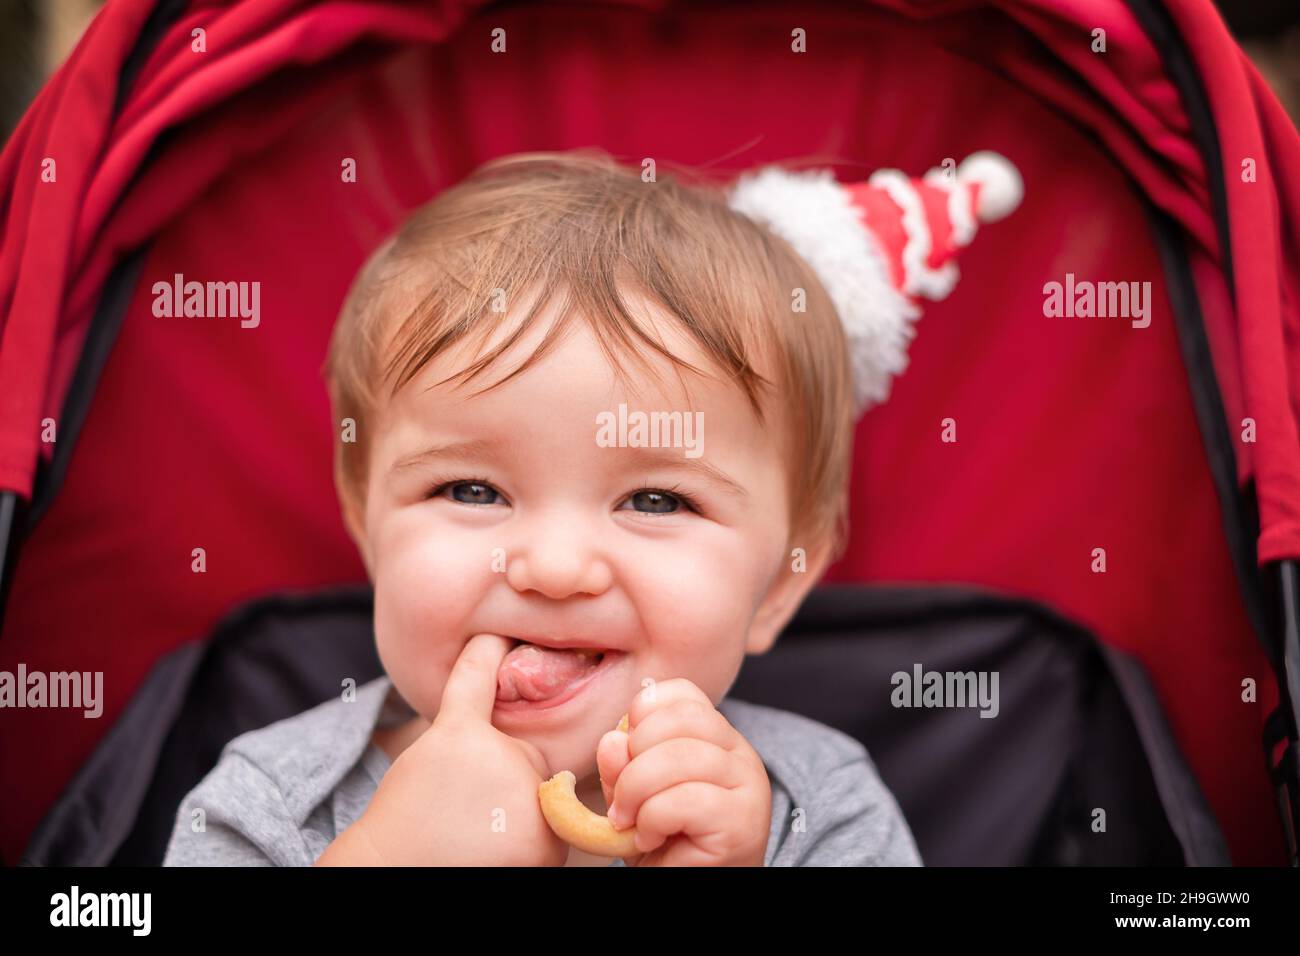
[880,245]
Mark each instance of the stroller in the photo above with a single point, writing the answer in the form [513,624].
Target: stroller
[1115,533]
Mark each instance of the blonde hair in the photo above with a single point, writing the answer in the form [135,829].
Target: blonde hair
[581,224]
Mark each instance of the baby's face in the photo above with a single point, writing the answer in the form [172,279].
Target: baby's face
[525,525]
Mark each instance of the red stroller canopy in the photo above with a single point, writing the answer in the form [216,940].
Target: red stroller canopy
[1160,159]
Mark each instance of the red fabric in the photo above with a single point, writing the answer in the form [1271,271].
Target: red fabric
[1072,434]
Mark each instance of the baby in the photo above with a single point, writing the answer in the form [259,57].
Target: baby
[592,457]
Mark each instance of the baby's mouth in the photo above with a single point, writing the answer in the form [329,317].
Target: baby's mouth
[536,672]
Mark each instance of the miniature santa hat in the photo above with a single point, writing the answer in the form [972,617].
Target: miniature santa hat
[879,245]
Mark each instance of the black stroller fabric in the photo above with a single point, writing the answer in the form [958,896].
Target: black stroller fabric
[1078,736]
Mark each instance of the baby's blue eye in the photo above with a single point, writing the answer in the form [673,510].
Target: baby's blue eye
[656,502]
[473,493]
[645,501]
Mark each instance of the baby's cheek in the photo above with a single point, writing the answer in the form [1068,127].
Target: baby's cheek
[698,608]
[426,587]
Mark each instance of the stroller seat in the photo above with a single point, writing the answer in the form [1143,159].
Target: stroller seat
[1074,766]
[1077,435]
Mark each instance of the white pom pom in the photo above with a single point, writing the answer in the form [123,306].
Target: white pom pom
[1001,187]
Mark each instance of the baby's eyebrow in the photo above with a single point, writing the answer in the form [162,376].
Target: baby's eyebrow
[640,457]
[471,448]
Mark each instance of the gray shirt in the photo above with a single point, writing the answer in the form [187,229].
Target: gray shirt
[279,796]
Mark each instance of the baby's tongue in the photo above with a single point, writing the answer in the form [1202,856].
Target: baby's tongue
[531,672]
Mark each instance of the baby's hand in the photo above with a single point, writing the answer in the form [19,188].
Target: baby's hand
[695,788]
[463,793]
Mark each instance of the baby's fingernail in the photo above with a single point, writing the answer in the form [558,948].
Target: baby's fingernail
[613,815]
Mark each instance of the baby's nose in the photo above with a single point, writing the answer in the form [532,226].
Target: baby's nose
[556,556]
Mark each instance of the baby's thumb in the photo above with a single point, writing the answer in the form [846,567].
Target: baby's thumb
[471,686]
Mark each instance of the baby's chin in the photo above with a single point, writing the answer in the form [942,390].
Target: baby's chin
[572,746]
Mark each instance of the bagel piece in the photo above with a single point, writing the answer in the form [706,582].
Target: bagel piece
[576,824]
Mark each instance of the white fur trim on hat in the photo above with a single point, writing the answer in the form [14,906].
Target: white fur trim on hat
[813,213]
